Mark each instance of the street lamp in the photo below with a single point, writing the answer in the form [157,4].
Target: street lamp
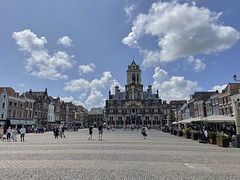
[235,77]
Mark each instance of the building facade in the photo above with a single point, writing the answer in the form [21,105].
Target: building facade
[134,106]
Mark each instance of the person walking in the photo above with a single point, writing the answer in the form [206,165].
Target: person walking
[14,134]
[8,133]
[22,133]
[56,132]
[90,132]
[63,131]
[100,131]
[144,132]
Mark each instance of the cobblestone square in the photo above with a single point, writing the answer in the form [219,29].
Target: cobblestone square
[121,155]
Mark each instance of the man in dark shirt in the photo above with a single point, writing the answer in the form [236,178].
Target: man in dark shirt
[100,131]
[90,132]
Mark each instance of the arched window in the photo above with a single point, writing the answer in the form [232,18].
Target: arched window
[3,105]
[133,77]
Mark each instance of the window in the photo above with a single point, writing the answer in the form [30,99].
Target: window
[14,113]
[133,77]
[10,103]
[3,105]
[10,113]
[15,104]
[20,114]
[4,96]
[2,115]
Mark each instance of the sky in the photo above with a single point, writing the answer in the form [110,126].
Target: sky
[79,50]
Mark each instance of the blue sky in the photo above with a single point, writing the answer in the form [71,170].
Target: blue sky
[80,50]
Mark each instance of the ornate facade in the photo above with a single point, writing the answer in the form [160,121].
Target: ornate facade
[134,106]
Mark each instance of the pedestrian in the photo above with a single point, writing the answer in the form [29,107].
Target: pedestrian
[1,132]
[100,131]
[8,133]
[90,132]
[60,131]
[14,134]
[63,131]
[56,132]
[144,132]
[22,132]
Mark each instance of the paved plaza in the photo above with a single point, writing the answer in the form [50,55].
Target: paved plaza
[121,155]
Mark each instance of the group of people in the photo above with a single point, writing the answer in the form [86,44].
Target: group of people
[100,132]
[59,131]
[12,133]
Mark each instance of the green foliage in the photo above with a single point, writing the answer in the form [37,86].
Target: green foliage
[211,135]
[187,131]
[222,136]
[194,132]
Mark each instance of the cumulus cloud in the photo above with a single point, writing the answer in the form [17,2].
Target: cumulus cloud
[197,64]
[173,88]
[74,101]
[40,63]
[218,88]
[129,10]
[79,85]
[65,41]
[93,88]
[182,30]
[95,99]
[86,68]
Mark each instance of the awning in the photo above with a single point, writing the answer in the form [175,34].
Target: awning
[14,122]
[17,122]
[220,119]
[30,122]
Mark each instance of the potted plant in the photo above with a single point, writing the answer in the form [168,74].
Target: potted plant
[212,137]
[180,132]
[175,132]
[222,140]
[171,130]
[194,135]
[187,133]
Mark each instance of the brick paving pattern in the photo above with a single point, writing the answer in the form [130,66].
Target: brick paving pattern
[121,155]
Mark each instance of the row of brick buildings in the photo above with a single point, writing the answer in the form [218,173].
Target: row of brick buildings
[203,104]
[41,110]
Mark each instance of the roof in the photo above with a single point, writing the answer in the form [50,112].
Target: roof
[96,111]
[10,90]
[232,87]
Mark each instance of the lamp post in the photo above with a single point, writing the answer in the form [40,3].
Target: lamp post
[235,77]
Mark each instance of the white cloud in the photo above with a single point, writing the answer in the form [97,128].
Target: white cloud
[40,63]
[197,64]
[182,30]
[71,99]
[218,88]
[173,88]
[86,68]
[65,41]
[95,99]
[21,85]
[93,88]
[129,10]
[79,85]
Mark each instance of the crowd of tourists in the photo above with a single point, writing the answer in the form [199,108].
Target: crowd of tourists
[12,134]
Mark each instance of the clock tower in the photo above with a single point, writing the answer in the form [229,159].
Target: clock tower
[134,88]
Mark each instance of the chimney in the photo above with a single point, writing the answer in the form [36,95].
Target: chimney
[30,92]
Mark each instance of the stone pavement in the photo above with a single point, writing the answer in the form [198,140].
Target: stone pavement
[121,155]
